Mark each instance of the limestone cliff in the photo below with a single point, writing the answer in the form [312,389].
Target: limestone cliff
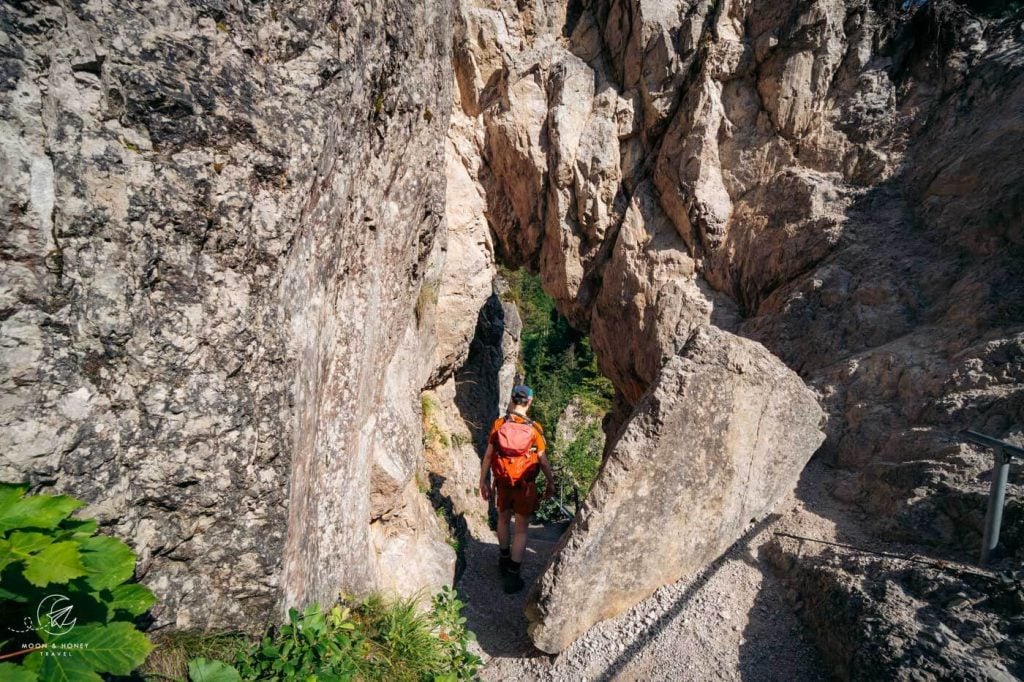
[836,180]
[222,227]
[241,239]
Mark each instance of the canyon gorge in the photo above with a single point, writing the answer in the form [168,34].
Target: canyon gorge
[251,269]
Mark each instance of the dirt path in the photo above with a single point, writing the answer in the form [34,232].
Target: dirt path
[497,618]
[730,622]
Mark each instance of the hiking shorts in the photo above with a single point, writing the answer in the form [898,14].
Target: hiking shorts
[521,499]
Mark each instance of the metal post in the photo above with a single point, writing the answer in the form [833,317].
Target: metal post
[996,496]
[1004,452]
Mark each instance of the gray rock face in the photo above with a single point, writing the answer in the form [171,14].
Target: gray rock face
[462,409]
[717,440]
[217,225]
[884,619]
[807,175]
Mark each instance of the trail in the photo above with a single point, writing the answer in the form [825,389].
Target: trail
[731,621]
[497,618]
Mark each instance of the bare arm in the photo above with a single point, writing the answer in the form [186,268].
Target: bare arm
[485,466]
[549,476]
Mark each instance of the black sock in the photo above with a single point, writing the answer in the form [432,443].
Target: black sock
[514,566]
[504,551]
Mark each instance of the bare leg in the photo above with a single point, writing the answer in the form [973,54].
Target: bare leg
[504,517]
[519,540]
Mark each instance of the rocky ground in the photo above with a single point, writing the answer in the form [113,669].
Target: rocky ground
[740,618]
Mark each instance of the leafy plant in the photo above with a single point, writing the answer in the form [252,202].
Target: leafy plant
[367,640]
[202,670]
[67,590]
[581,458]
[460,663]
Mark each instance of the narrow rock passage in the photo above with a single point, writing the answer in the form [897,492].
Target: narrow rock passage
[497,618]
[732,621]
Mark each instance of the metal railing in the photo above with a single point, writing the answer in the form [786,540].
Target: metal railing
[1003,453]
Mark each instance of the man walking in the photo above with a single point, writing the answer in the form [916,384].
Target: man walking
[514,457]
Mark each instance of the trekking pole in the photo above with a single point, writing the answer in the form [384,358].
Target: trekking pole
[1003,453]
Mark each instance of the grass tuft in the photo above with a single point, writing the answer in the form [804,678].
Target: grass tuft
[169,660]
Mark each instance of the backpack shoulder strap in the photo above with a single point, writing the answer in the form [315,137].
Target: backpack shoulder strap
[526,420]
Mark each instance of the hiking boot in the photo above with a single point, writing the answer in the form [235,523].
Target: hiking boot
[513,579]
[504,561]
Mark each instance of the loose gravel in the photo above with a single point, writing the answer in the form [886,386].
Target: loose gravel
[731,621]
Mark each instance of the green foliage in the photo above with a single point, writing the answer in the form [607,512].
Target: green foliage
[202,670]
[559,364]
[16,673]
[67,587]
[457,662]
[366,640]
[581,458]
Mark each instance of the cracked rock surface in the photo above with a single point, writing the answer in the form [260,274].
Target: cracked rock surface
[833,179]
[218,220]
[717,441]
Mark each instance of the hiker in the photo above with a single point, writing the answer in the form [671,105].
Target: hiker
[515,454]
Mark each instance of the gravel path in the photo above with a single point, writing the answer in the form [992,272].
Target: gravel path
[729,622]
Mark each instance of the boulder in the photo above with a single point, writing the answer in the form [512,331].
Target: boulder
[719,438]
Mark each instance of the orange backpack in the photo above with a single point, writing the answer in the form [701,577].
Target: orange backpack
[515,460]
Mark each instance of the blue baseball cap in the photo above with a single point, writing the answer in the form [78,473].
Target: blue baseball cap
[522,392]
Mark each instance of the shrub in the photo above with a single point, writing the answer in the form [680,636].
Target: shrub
[69,589]
[366,640]
[581,458]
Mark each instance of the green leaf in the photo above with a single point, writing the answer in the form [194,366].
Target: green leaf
[20,546]
[108,561]
[57,563]
[79,527]
[7,555]
[9,494]
[16,673]
[69,668]
[202,670]
[37,511]
[116,648]
[24,544]
[133,598]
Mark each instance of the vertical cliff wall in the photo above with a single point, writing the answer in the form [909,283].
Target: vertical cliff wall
[832,179]
[219,220]
[240,239]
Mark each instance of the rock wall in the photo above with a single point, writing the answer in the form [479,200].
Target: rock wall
[877,618]
[719,438]
[833,179]
[219,221]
